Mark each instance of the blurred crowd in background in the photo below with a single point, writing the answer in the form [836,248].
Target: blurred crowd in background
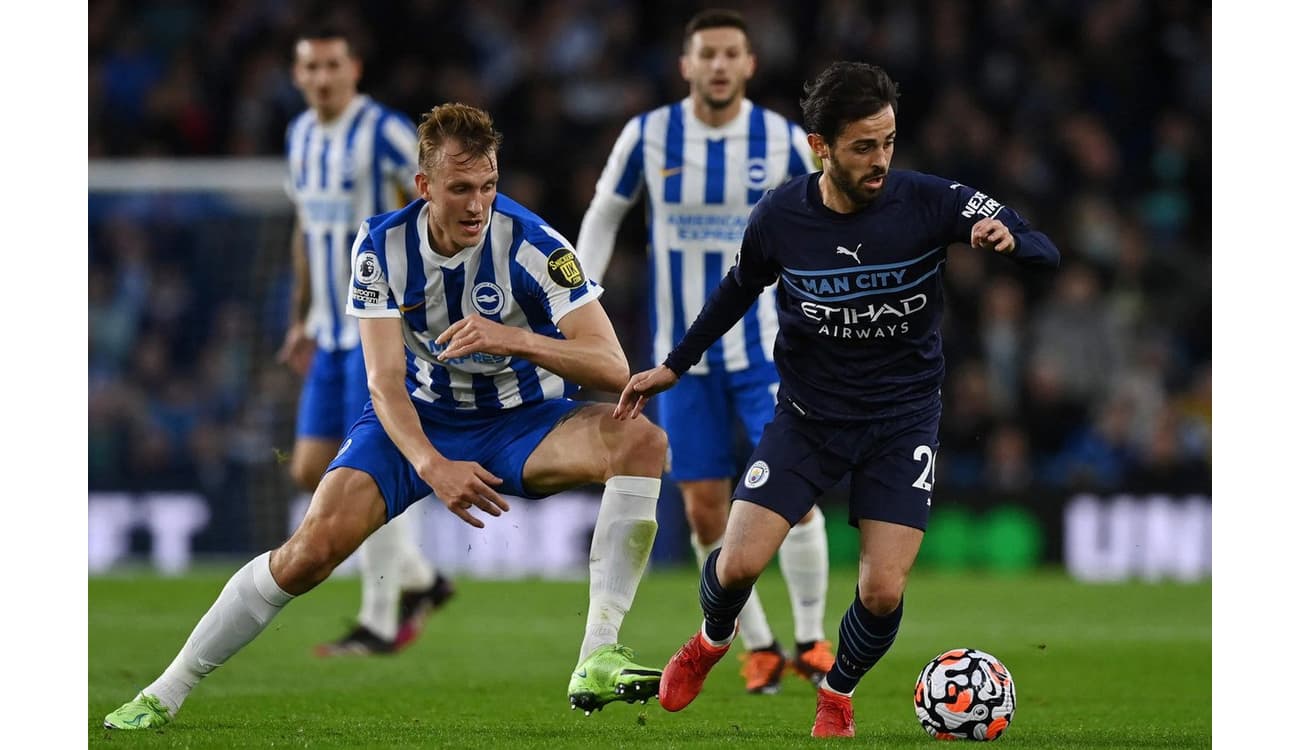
[1091,118]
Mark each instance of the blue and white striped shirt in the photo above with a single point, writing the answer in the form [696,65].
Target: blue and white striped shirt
[522,273]
[701,184]
[361,164]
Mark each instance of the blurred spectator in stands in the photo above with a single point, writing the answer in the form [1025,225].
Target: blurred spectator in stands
[1008,462]
[1078,332]
[967,421]
[1194,407]
[1166,465]
[1002,335]
[965,275]
[1098,455]
[1049,412]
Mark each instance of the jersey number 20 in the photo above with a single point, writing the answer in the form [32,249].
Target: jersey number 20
[926,480]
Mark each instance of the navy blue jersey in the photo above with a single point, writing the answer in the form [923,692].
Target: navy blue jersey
[860,295]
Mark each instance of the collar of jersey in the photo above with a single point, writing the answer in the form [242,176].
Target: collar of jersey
[455,260]
[349,112]
[735,125]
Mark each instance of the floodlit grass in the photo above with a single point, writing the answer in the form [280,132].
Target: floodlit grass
[1114,666]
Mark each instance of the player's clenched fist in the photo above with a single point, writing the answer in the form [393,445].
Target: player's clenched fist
[991,234]
[477,334]
[640,388]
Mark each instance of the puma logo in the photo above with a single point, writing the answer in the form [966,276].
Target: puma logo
[851,253]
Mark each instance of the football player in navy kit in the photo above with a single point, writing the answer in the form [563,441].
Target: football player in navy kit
[857,251]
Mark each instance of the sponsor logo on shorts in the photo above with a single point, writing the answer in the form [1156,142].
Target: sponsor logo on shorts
[757,475]
[367,268]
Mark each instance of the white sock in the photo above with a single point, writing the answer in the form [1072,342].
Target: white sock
[381,582]
[804,563]
[620,548]
[754,630]
[243,608]
[417,573]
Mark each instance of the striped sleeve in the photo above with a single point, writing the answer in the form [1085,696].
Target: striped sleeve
[617,189]
[290,189]
[371,296]
[550,260]
[624,171]
[396,154]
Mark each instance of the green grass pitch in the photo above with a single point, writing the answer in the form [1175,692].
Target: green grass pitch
[1104,666]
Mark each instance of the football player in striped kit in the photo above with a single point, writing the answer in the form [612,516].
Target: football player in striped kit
[478,324]
[349,158]
[703,162]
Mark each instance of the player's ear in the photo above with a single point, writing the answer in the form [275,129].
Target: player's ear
[818,145]
[422,185]
[682,62]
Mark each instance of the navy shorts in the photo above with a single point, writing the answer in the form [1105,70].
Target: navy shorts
[889,462]
[333,395]
[698,414]
[500,442]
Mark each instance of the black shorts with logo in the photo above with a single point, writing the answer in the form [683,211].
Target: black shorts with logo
[890,464]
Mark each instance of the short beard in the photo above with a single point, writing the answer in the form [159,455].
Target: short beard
[719,103]
[856,195]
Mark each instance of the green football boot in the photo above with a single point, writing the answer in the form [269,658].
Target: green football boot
[144,712]
[608,674]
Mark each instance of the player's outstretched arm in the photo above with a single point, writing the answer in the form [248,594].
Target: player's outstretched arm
[460,485]
[640,388]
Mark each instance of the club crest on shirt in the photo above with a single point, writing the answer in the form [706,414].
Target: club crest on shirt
[487,298]
[757,475]
[366,268]
[563,266]
[756,173]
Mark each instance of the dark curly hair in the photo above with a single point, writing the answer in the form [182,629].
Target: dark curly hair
[845,92]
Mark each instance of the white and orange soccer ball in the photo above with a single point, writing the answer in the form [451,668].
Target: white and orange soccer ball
[965,694]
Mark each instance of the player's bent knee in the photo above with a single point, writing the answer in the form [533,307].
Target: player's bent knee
[737,571]
[345,510]
[881,598]
[303,562]
[640,451]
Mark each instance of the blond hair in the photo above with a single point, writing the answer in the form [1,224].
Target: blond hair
[455,121]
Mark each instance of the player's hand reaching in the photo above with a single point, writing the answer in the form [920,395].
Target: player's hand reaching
[462,485]
[640,388]
[991,234]
[477,334]
[297,349]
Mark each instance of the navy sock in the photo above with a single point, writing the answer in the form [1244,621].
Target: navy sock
[864,638]
[721,606]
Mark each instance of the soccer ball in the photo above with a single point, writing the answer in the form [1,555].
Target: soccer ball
[965,694]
